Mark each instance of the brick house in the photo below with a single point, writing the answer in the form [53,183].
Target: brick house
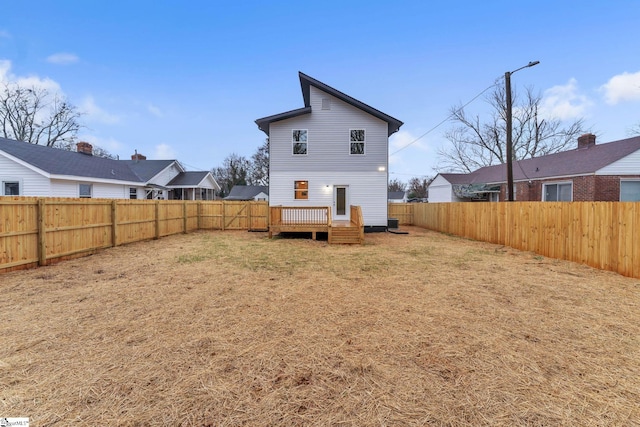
[590,172]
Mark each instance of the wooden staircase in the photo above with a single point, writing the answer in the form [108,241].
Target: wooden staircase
[346,235]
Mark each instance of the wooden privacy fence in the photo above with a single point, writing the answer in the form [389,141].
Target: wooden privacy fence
[37,231]
[603,235]
[403,212]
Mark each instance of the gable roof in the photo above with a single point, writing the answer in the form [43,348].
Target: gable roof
[61,162]
[147,169]
[306,82]
[246,192]
[576,162]
[396,195]
[188,179]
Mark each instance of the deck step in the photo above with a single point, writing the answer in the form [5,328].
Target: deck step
[345,235]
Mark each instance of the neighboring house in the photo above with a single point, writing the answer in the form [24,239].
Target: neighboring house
[397,197]
[35,170]
[332,152]
[591,172]
[257,193]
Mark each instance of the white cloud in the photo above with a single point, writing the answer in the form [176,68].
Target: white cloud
[164,152]
[564,102]
[62,58]
[402,139]
[94,113]
[29,81]
[155,110]
[623,87]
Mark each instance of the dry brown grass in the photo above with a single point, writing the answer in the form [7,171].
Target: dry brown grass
[231,328]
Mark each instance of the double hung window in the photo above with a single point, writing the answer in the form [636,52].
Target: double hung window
[299,140]
[357,141]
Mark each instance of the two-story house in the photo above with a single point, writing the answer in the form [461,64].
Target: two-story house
[332,152]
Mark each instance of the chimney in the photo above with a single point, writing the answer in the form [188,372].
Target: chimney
[586,140]
[84,148]
[138,157]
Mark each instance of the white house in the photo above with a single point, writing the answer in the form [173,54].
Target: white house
[35,170]
[332,152]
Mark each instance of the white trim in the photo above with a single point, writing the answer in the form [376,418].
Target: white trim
[306,142]
[4,181]
[363,142]
[626,180]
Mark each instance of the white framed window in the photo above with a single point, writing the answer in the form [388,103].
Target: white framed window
[357,141]
[133,193]
[10,188]
[557,192]
[301,190]
[630,190]
[299,142]
[85,191]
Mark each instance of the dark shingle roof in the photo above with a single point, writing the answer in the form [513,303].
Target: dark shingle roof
[456,178]
[305,83]
[580,161]
[396,195]
[187,179]
[246,192]
[147,169]
[61,162]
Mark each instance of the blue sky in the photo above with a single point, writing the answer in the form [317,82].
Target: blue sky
[186,79]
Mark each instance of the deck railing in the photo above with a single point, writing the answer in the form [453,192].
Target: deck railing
[289,216]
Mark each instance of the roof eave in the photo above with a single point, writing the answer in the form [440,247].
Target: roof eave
[263,123]
[307,81]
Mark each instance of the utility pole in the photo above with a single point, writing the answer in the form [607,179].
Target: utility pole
[507,84]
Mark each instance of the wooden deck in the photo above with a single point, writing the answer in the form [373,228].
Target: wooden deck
[317,220]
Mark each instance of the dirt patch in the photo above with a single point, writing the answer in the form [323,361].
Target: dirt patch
[232,328]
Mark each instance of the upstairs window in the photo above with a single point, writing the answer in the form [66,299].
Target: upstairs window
[561,192]
[299,139]
[85,191]
[357,141]
[301,190]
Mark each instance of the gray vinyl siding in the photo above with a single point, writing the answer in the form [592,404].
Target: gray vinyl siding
[328,162]
[367,190]
[328,139]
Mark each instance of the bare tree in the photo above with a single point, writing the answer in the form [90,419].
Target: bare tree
[260,165]
[634,130]
[234,171]
[34,115]
[418,187]
[396,185]
[476,143]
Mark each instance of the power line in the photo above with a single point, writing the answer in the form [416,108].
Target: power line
[495,83]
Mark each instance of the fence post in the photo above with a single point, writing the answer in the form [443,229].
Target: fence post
[114,223]
[157,219]
[223,217]
[184,216]
[200,215]
[42,233]
[249,225]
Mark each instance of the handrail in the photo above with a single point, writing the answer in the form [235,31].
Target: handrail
[300,215]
